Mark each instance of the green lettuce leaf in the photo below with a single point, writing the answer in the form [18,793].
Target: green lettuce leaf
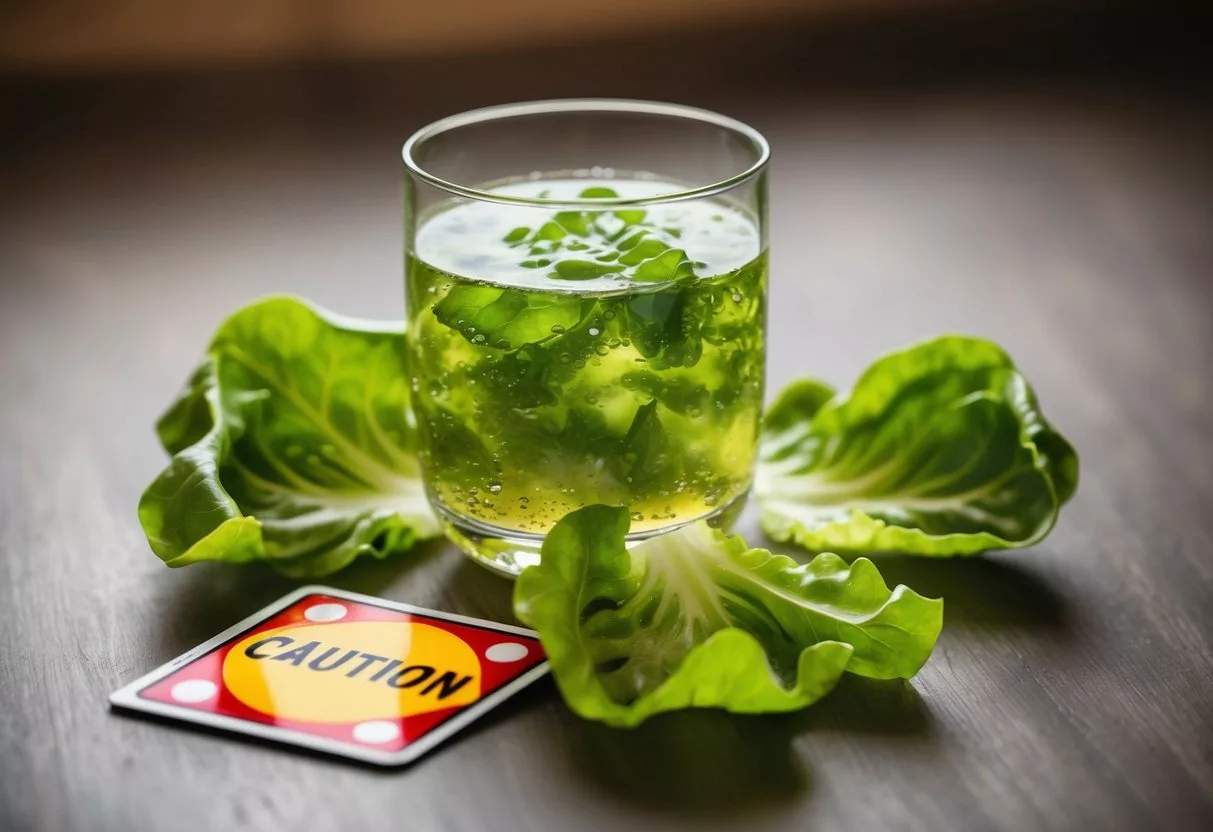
[940,449]
[697,619]
[293,442]
[505,318]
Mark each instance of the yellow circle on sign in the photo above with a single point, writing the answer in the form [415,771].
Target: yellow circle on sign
[353,671]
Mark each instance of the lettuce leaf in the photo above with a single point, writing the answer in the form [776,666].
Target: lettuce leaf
[292,442]
[940,449]
[697,619]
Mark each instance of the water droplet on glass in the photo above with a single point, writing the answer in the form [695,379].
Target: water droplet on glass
[472,501]
[737,298]
[594,331]
[495,487]
[609,314]
[558,329]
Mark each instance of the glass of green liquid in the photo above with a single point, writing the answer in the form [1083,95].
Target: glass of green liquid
[586,286]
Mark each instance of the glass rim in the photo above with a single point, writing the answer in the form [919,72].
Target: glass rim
[497,112]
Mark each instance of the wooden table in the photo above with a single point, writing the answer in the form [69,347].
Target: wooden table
[1070,219]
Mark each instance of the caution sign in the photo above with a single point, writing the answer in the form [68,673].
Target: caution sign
[344,673]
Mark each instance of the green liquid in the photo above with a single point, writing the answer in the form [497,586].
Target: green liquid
[562,359]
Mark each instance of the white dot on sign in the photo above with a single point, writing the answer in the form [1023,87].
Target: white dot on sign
[194,690]
[376,731]
[506,651]
[325,612]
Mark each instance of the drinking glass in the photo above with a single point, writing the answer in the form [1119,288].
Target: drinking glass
[586,288]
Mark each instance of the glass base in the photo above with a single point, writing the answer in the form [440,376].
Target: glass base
[508,553]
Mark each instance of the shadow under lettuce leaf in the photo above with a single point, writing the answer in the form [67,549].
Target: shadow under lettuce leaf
[710,762]
[984,592]
[691,762]
[885,708]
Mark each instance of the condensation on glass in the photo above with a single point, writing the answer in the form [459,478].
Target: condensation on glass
[586,290]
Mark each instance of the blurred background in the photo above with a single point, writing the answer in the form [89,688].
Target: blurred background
[1034,171]
[937,163]
[1038,172]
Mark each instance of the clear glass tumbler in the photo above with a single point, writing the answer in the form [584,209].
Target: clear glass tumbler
[586,290]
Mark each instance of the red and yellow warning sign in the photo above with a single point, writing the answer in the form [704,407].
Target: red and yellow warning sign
[345,673]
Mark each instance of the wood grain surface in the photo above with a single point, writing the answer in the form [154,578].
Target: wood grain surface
[1069,218]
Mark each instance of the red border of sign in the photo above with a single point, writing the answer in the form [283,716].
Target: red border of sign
[417,734]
